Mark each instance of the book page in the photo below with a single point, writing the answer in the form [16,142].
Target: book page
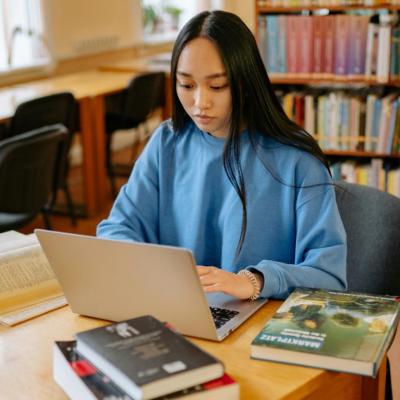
[10,236]
[26,278]
[14,242]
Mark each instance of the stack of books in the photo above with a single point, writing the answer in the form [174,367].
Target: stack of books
[372,174]
[341,47]
[346,120]
[139,359]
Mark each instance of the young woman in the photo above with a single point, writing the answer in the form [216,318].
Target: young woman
[231,178]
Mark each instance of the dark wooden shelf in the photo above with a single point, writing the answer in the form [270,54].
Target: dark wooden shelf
[359,154]
[309,81]
[272,10]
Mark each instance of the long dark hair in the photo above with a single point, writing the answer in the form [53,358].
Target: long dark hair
[254,103]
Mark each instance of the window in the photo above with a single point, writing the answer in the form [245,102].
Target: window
[22,36]
[167,16]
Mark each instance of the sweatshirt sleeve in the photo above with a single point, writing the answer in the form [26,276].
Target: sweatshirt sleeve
[134,215]
[320,254]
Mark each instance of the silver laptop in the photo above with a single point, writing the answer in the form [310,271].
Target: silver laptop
[117,280]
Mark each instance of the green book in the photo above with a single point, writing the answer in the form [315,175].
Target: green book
[339,331]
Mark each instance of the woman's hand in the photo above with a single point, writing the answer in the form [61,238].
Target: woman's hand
[218,280]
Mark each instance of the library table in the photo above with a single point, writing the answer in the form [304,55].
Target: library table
[89,89]
[26,352]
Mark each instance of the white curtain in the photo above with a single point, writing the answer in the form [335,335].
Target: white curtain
[22,37]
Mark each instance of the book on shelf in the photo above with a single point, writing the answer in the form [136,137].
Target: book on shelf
[338,47]
[147,359]
[80,380]
[28,286]
[339,331]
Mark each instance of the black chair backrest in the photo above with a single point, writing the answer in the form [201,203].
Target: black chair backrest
[30,167]
[144,93]
[371,219]
[44,111]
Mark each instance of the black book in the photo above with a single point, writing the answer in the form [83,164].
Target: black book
[80,380]
[146,359]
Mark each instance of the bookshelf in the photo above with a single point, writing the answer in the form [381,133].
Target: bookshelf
[321,96]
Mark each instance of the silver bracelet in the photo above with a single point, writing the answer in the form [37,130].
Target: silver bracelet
[254,281]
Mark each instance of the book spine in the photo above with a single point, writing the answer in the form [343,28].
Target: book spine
[358,28]
[282,26]
[371,99]
[383,56]
[304,48]
[341,46]
[389,142]
[394,54]
[291,50]
[328,47]
[382,125]
[369,49]
[374,61]
[318,42]
[345,123]
[272,45]
[262,37]
[361,125]
[377,121]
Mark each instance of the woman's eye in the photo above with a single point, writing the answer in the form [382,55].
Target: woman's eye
[218,87]
[185,86]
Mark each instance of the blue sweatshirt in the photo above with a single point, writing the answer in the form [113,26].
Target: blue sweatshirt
[294,236]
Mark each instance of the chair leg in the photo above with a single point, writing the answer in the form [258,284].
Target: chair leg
[70,205]
[46,220]
[388,391]
[110,168]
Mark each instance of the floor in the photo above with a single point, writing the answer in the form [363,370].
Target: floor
[87,226]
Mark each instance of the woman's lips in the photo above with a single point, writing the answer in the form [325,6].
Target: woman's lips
[203,119]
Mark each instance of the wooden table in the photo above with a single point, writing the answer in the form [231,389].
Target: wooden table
[26,363]
[89,89]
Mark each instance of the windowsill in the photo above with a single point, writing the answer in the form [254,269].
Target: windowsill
[12,74]
[154,39]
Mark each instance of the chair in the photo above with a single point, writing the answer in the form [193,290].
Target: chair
[31,165]
[57,108]
[142,96]
[371,220]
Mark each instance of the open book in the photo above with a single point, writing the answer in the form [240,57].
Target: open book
[28,286]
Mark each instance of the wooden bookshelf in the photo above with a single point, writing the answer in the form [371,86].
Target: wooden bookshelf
[312,81]
[359,154]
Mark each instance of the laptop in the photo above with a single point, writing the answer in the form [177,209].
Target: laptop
[116,280]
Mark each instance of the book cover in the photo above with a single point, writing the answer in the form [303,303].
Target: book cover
[81,380]
[328,49]
[318,46]
[358,29]
[341,46]
[262,37]
[341,331]
[291,48]
[304,48]
[146,358]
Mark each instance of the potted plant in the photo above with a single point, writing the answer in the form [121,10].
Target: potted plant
[174,13]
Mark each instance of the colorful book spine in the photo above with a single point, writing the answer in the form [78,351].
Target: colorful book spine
[376,124]
[371,100]
[345,123]
[291,49]
[369,50]
[318,46]
[392,124]
[341,46]
[383,56]
[394,54]
[328,60]
[304,48]
[282,27]
[272,45]
[358,30]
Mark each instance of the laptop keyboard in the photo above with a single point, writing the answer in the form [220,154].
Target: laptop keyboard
[221,316]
